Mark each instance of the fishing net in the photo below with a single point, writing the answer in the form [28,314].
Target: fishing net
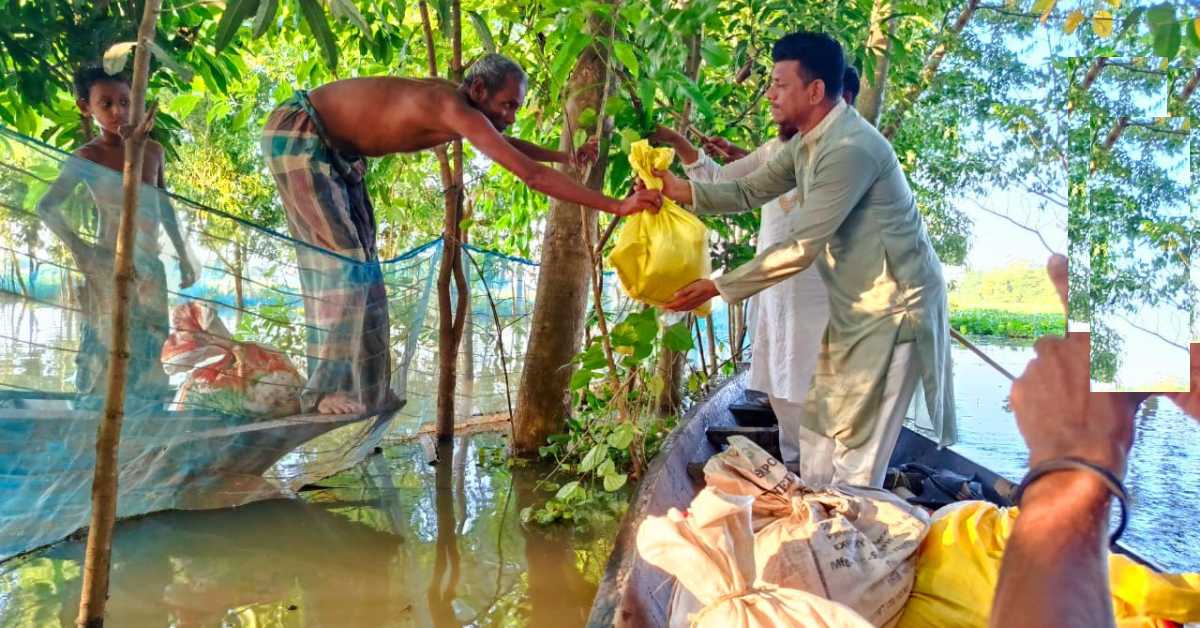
[226,374]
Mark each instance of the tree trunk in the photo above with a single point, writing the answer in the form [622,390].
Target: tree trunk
[879,45]
[98,554]
[450,320]
[563,278]
[239,288]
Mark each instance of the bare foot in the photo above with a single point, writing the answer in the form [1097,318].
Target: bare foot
[339,403]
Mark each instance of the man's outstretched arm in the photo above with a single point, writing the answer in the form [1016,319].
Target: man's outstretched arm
[473,126]
[584,154]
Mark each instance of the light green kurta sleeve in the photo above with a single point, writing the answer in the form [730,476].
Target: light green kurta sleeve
[767,183]
[840,178]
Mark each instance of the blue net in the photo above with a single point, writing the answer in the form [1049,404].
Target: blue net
[238,335]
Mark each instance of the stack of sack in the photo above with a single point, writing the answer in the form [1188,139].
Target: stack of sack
[710,549]
[852,546]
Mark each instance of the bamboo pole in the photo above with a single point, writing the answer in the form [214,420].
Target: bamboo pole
[97,558]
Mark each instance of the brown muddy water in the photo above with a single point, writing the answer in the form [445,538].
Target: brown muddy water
[394,541]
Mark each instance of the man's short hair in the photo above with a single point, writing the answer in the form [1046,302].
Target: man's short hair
[820,57]
[88,75]
[494,70]
[850,82]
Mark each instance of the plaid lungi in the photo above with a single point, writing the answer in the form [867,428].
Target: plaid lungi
[328,211]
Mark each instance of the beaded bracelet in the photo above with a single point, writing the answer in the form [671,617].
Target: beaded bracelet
[1069,463]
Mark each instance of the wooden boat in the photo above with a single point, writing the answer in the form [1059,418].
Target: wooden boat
[634,594]
[168,460]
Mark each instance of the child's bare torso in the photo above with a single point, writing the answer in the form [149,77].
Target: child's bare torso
[383,115]
[105,185]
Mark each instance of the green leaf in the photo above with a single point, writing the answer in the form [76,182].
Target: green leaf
[1043,7]
[613,483]
[646,91]
[693,91]
[443,11]
[481,29]
[347,10]
[1167,40]
[219,110]
[184,104]
[265,17]
[597,454]
[167,60]
[593,358]
[320,27]
[236,12]
[569,490]
[715,54]
[1130,21]
[625,54]
[243,116]
[614,106]
[587,119]
[1160,14]
[621,437]
[581,378]
[628,137]
[401,8]
[579,137]
[1193,32]
[606,468]
[678,337]
[566,57]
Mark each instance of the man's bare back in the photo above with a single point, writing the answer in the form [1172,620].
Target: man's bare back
[379,116]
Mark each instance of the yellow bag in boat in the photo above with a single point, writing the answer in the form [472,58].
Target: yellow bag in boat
[657,254]
[958,567]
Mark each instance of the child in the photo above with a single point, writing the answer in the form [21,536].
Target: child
[99,164]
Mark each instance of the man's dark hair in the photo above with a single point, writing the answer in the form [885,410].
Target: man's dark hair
[494,70]
[89,75]
[850,83]
[820,57]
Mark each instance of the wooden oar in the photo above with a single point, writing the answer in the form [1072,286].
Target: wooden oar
[968,344]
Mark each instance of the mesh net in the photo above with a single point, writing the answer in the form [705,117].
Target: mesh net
[238,333]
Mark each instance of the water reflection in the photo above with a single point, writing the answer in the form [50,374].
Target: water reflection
[392,542]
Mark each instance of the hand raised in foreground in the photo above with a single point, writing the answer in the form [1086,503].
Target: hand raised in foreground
[587,154]
[693,295]
[1057,413]
[640,200]
[722,149]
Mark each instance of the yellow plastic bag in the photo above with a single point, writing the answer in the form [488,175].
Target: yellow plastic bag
[958,567]
[657,254]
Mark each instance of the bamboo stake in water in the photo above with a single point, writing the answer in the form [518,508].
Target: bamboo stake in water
[97,559]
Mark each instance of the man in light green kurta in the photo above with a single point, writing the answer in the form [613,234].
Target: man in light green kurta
[858,222]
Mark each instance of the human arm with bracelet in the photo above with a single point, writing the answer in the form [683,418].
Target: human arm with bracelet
[1055,566]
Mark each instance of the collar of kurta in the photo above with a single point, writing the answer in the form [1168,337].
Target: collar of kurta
[816,132]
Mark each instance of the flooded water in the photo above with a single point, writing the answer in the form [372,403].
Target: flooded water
[393,542]
[396,541]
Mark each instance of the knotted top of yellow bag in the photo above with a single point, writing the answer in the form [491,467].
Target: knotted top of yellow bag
[645,159]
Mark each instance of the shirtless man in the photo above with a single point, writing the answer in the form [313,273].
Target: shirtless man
[316,144]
